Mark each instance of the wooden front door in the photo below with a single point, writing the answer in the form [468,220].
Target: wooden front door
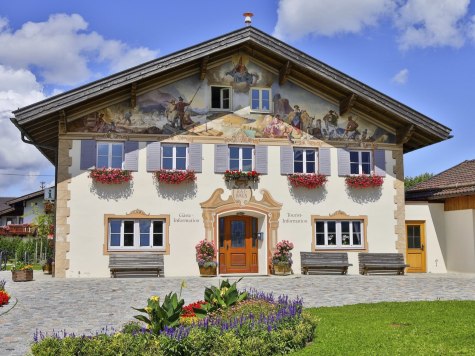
[238,244]
[416,254]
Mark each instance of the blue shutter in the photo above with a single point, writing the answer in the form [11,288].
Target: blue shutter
[286,160]
[153,156]
[195,153]
[380,163]
[221,158]
[88,154]
[324,161]
[131,154]
[343,162]
[261,159]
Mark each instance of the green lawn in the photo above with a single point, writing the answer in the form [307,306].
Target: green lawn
[416,328]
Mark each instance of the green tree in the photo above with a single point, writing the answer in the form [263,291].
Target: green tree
[409,182]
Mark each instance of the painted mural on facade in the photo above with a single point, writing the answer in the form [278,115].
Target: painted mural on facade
[188,106]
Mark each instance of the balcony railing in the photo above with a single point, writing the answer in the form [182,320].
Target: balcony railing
[16,230]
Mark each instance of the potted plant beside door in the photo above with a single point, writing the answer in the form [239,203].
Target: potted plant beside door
[282,258]
[206,258]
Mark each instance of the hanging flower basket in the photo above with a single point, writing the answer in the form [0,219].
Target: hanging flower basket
[364,181]
[110,175]
[307,180]
[238,175]
[175,177]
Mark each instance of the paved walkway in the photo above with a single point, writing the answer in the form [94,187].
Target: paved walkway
[87,305]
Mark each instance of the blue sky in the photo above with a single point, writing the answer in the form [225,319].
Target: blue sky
[420,52]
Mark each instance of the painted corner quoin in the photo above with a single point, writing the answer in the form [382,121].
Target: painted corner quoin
[237,98]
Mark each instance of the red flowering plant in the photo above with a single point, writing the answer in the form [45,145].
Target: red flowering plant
[4,297]
[364,181]
[206,254]
[110,175]
[188,315]
[175,177]
[307,180]
[282,255]
[236,174]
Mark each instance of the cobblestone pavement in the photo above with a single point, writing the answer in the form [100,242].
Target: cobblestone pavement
[87,305]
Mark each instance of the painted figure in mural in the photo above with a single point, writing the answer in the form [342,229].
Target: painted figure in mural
[127,118]
[274,128]
[316,129]
[180,109]
[170,111]
[297,119]
[281,105]
[351,128]
[241,74]
[331,120]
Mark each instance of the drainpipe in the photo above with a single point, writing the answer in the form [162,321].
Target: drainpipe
[26,139]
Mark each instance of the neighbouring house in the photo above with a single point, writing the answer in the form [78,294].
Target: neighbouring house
[322,156]
[440,219]
[16,214]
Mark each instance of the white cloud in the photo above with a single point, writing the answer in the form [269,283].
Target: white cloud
[298,18]
[63,49]
[429,23]
[401,77]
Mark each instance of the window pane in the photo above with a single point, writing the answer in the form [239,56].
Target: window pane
[356,233]
[129,233]
[366,168]
[181,164]
[345,232]
[298,155]
[115,226]
[320,226]
[167,151]
[234,164]
[215,97]
[255,105]
[320,232]
[116,162]
[167,163]
[115,240]
[310,155]
[158,233]
[310,167]
[265,100]
[320,239]
[102,162]
[247,152]
[233,152]
[247,165]
[158,240]
[298,167]
[221,232]
[226,101]
[255,94]
[365,157]
[158,227]
[117,149]
[238,238]
[128,240]
[103,149]
[181,151]
[331,226]
[354,168]
[354,157]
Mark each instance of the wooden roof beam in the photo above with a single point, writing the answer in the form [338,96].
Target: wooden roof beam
[346,104]
[403,135]
[204,67]
[284,73]
[133,95]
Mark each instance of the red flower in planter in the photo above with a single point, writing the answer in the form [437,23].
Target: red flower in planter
[110,175]
[230,175]
[175,177]
[4,297]
[364,181]
[307,180]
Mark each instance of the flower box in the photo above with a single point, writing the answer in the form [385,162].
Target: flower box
[282,270]
[22,275]
[282,258]
[208,271]
[307,180]
[364,181]
[238,175]
[110,175]
[175,177]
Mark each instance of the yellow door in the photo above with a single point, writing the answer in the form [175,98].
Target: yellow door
[416,249]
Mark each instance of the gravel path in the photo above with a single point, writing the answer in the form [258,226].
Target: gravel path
[88,305]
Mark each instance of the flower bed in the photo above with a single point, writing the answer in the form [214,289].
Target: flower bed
[364,181]
[307,180]
[251,176]
[227,322]
[175,177]
[110,175]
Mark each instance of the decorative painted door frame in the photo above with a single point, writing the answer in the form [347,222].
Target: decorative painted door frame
[416,246]
[267,206]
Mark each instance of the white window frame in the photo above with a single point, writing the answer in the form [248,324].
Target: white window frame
[136,246]
[174,146]
[253,156]
[304,161]
[360,162]
[221,108]
[260,90]
[339,238]
[109,154]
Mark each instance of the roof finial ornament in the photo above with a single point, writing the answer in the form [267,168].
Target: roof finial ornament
[247,18]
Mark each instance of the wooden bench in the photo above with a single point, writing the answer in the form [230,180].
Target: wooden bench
[382,263]
[324,261]
[134,264]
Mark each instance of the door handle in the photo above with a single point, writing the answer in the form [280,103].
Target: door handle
[227,247]
[422,247]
